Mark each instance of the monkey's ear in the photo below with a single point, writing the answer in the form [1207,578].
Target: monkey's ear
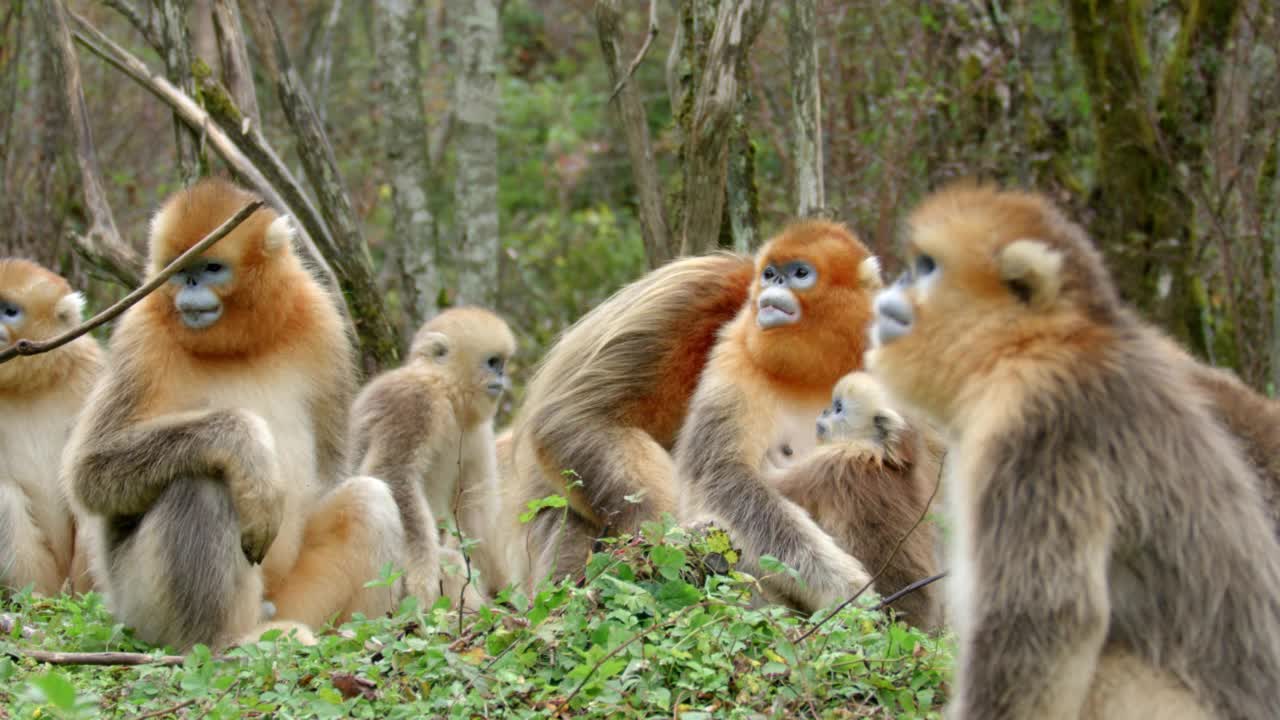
[1032,271]
[888,424]
[432,346]
[869,273]
[279,234]
[69,309]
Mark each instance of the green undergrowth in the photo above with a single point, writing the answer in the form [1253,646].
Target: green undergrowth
[662,627]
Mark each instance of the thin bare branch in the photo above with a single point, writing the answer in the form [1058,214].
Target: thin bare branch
[35,347]
[142,23]
[378,339]
[644,50]
[196,116]
[101,243]
[635,127]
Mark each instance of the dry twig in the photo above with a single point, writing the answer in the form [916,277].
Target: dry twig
[35,347]
[644,50]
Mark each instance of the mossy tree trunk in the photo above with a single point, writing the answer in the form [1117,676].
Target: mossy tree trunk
[1147,131]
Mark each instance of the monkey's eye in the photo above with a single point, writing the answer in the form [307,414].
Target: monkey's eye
[10,311]
[495,362]
[924,265]
[838,406]
[769,274]
[213,267]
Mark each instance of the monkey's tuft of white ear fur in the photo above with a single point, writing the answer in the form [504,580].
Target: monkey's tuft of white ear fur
[431,346]
[279,235]
[869,273]
[1032,270]
[70,308]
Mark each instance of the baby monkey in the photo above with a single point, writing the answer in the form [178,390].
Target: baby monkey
[867,484]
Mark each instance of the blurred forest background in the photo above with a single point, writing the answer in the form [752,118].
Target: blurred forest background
[534,155]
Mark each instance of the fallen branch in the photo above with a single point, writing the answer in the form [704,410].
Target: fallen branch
[100,658]
[644,50]
[35,347]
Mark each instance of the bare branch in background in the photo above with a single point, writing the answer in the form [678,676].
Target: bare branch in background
[101,243]
[635,127]
[378,339]
[716,99]
[141,20]
[195,116]
[237,74]
[644,50]
[806,107]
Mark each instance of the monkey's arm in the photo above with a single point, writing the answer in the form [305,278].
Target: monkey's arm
[1037,610]
[393,423]
[718,456]
[121,471]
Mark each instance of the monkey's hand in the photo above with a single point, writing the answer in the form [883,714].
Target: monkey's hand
[455,581]
[422,580]
[253,480]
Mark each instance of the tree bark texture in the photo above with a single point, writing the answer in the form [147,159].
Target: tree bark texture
[715,101]
[175,49]
[378,339]
[635,129]
[101,241]
[806,108]
[1144,217]
[405,144]
[323,67]
[476,191]
[233,55]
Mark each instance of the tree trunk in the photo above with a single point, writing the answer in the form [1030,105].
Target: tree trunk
[706,154]
[476,191]
[324,59]
[806,108]
[1143,215]
[635,128]
[101,242]
[176,52]
[405,144]
[237,73]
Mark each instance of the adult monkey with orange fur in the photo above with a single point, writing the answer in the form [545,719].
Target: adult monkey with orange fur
[868,484]
[611,399]
[214,442]
[426,429]
[1111,555]
[40,395]
[801,329]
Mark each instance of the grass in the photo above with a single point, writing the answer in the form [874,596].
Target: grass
[663,627]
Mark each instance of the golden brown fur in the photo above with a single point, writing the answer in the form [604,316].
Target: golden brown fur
[40,395]
[1110,547]
[204,452]
[427,430]
[867,485]
[758,377]
[606,402]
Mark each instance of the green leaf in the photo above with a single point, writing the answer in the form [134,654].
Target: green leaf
[57,690]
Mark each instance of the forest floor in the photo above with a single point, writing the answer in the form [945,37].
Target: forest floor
[663,627]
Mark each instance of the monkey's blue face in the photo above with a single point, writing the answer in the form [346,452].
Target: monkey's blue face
[778,305]
[11,316]
[894,315]
[197,300]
